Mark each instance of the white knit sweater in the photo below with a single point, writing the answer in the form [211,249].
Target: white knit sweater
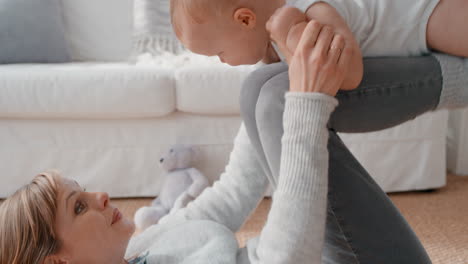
[203,232]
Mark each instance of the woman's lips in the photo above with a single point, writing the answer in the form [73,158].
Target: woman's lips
[116,216]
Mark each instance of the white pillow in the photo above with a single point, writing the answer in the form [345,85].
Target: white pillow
[153,33]
[99,30]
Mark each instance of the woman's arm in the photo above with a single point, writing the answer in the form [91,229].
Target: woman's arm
[295,228]
[235,195]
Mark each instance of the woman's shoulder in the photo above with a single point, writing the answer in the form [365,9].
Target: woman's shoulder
[188,240]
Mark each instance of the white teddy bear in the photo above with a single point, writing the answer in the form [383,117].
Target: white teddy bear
[183,184]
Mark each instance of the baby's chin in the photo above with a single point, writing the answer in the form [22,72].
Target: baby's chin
[239,63]
[247,61]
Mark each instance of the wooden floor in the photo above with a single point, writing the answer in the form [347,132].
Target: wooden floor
[439,218]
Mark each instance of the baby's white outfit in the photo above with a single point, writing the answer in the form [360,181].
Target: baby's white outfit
[383,27]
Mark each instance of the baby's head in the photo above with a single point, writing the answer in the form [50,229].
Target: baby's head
[233,30]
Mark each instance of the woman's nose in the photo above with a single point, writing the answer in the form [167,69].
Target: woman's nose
[102,199]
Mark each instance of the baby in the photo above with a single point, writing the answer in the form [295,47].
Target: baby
[241,31]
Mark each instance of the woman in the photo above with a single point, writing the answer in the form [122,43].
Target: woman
[83,227]
[52,220]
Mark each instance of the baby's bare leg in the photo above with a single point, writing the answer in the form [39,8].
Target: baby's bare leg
[447,31]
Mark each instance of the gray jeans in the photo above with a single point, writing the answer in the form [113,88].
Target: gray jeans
[363,225]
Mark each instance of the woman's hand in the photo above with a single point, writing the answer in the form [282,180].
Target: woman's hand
[320,61]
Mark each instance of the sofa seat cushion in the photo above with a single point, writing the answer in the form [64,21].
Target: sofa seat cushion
[210,89]
[204,85]
[85,90]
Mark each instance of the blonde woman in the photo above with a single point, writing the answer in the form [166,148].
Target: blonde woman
[52,220]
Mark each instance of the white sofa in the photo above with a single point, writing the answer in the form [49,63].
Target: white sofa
[105,122]
[457,142]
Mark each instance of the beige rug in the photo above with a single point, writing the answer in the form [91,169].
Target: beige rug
[439,218]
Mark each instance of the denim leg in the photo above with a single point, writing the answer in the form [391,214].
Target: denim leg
[336,249]
[265,115]
[370,223]
[393,90]
[248,103]
[269,117]
[388,96]
[362,225]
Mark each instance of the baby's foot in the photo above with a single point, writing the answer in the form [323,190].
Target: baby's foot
[286,26]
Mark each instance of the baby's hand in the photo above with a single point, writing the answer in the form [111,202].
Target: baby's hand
[286,26]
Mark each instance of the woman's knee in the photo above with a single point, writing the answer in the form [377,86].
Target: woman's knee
[270,104]
[252,86]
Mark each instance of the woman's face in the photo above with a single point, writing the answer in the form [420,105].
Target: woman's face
[90,228]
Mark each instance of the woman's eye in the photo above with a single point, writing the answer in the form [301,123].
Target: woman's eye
[79,207]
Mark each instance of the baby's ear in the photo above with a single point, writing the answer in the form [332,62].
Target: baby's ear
[245,17]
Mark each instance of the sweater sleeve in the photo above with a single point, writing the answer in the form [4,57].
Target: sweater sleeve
[235,195]
[295,228]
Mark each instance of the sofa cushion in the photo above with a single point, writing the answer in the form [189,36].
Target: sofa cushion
[204,85]
[85,90]
[31,31]
[153,31]
[211,88]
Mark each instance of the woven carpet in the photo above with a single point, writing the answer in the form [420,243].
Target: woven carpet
[439,218]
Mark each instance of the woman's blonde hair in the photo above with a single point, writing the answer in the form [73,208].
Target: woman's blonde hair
[27,220]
